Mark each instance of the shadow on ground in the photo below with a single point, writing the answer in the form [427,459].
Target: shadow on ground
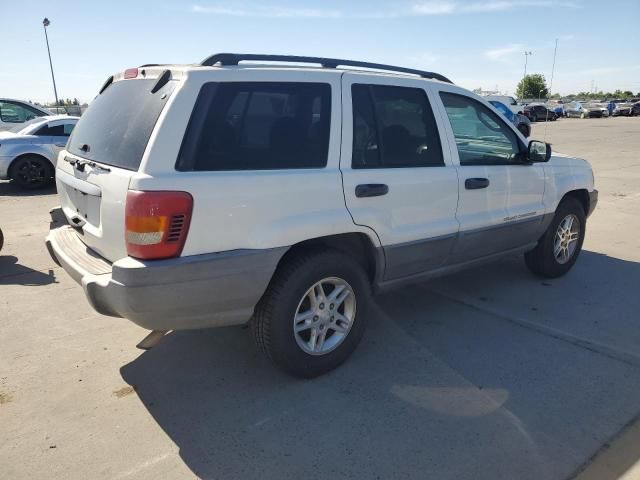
[10,189]
[436,390]
[13,273]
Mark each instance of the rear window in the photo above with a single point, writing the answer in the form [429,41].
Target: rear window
[258,126]
[116,127]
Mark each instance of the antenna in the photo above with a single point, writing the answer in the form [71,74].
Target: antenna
[553,69]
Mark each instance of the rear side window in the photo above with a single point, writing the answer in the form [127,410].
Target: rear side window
[393,127]
[57,131]
[116,127]
[258,126]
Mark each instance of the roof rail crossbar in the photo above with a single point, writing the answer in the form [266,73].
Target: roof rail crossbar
[235,58]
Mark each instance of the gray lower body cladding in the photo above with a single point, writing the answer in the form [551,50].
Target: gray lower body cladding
[451,252]
[196,291]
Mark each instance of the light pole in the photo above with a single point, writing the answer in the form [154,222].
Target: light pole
[45,24]
[526,56]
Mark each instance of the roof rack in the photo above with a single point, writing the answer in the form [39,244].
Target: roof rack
[235,58]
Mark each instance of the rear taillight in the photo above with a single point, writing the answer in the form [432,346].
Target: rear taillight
[157,223]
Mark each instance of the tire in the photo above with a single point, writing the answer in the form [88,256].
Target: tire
[289,296]
[32,172]
[1,240]
[542,260]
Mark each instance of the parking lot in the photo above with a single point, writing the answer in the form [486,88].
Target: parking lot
[488,374]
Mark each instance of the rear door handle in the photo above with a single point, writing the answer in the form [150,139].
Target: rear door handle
[476,183]
[371,190]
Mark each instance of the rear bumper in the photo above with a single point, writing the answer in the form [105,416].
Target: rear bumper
[593,201]
[197,291]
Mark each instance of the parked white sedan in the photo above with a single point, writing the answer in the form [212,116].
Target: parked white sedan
[28,154]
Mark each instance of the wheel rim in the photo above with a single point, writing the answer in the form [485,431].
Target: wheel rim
[565,241]
[31,172]
[324,316]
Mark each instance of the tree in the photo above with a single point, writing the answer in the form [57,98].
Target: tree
[532,86]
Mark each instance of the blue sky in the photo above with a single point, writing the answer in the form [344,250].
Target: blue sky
[475,43]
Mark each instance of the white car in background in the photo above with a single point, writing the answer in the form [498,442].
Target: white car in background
[28,153]
[14,113]
[507,100]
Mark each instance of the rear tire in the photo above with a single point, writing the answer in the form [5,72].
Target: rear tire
[559,247]
[31,172]
[294,323]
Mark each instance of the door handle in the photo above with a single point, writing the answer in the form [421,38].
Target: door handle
[476,183]
[60,144]
[371,190]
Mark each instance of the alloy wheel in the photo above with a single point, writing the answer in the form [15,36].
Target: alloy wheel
[324,316]
[32,173]
[565,241]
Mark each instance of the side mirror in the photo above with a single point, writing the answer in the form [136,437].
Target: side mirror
[538,151]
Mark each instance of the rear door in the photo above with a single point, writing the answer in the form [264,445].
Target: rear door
[397,178]
[104,151]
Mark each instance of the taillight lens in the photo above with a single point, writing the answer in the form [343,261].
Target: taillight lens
[131,73]
[157,223]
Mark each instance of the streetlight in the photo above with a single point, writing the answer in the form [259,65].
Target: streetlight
[526,55]
[45,24]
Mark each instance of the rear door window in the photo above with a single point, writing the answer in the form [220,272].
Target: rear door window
[116,127]
[258,126]
[393,127]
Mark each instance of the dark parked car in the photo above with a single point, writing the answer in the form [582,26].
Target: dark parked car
[539,113]
[635,110]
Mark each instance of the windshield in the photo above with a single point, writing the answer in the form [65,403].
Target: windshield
[117,125]
[27,127]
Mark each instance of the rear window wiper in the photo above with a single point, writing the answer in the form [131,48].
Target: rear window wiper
[80,164]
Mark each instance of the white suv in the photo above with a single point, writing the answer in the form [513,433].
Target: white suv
[283,196]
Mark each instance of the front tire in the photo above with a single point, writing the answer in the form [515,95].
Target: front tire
[559,247]
[32,172]
[313,314]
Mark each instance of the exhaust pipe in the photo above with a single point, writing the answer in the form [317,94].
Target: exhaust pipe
[152,339]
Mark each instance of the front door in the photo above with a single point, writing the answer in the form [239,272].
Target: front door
[397,178]
[500,206]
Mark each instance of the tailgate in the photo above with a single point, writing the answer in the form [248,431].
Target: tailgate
[103,153]
[93,201]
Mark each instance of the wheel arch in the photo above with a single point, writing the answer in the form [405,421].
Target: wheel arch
[357,245]
[582,196]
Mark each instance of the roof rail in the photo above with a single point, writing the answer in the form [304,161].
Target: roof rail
[235,58]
